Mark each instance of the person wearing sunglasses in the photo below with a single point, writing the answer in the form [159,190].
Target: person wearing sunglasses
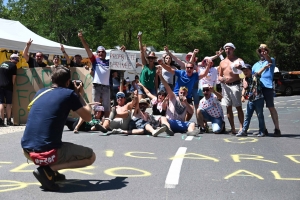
[148,75]
[210,110]
[177,110]
[8,73]
[120,115]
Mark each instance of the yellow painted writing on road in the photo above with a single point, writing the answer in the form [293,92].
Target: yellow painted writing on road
[113,172]
[21,168]
[292,158]
[278,177]
[239,157]
[242,172]
[195,156]
[109,153]
[240,140]
[130,154]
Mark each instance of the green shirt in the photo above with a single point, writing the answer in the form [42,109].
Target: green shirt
[147,77]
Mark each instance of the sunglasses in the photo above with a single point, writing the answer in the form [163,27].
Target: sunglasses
[190,67]
[120,97]
[205,89]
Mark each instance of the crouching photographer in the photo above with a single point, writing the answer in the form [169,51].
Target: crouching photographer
[42,139]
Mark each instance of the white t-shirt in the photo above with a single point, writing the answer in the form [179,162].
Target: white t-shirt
[176,110]
[212,106]
[211,77]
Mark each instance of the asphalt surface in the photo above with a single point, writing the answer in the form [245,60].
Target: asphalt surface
[143,167]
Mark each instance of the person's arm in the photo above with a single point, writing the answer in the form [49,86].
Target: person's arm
[62,48]
[192,59]
[177,60]
[166,67]
[220,77]
[148,93]
[156,82]
[189,108]
[80,121]
[26,49]
[165,103]
[14,79]
[164,82]
[265,54]
[85,111]
[205,72]
[134,100]
[219,96]
[243,95]
[264,68]
[144,62]
[85,45]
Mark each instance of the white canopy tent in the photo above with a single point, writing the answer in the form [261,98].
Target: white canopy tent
[14,36]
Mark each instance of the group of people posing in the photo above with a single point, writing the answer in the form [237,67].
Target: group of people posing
[172,105]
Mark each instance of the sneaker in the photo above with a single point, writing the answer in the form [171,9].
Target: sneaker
[158,131]
[168,131]
[118,131]
[277,132]
[193,133]
[266,132]
[100,128]
[9,123]
[260,134]
[1,122]
[223,128]
[59,177]
[46,177]
[241,133]
[202,130]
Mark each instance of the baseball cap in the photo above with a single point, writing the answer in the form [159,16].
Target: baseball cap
[246,66]
[101,48]
[143,101]
[120,94]
[14,55]
[98,108]
[229,44]
[205,85]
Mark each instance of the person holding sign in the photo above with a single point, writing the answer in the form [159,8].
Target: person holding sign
[229,70]
[148,75]
[101,73]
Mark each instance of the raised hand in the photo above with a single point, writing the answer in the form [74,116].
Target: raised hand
[196,51]
[62,48]
[220,51]
[166,49]
[123,48]
[80,34]
[29,42]
[160,61]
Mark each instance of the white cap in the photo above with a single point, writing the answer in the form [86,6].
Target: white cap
[100,48]
[229,45]
[14,55]
[205,85]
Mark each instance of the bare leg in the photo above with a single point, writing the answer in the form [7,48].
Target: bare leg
[2,111]
[149,128]
[200,120]
[230,118]
[8,111]
[274,116]
[188,116]
[191,127]
[106,123]
[106,114]
[240,116]
[78,125]
[74,164]
[164,120]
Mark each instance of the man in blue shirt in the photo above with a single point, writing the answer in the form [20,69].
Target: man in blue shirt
[42,139]
[267,83]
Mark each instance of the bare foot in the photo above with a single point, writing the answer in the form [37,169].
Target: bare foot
[75,131]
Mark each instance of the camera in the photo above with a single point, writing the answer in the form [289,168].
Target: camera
[71,85]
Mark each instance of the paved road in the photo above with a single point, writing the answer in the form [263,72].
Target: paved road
[179,167]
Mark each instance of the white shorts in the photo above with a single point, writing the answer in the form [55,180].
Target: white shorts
[231,95]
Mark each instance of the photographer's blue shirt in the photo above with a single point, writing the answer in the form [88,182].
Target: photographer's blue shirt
[47,117]
[186,81]
[267,76]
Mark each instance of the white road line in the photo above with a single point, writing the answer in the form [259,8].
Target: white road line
[174,172]
[189,138]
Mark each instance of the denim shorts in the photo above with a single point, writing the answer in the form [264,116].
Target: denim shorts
[178,126]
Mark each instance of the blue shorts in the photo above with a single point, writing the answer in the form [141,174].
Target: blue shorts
[216,123]
[178,126]
[5,96]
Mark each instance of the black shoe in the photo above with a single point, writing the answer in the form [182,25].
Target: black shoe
[266,132]
[9,123]
[100,128]
[202,130]
[1,122]
[46,177]
[59,176]
[168,131]
[277,132]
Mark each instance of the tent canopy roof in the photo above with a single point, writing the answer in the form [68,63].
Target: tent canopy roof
[14,36]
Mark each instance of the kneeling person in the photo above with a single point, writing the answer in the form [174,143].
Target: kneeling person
[42,139]
[210,110]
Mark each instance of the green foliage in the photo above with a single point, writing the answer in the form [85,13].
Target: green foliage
[182,25]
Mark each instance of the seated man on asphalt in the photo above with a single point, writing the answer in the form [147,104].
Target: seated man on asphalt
[210,110]
[120,115]
[78,124]
[141,122]
[177,110]
[42,138]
